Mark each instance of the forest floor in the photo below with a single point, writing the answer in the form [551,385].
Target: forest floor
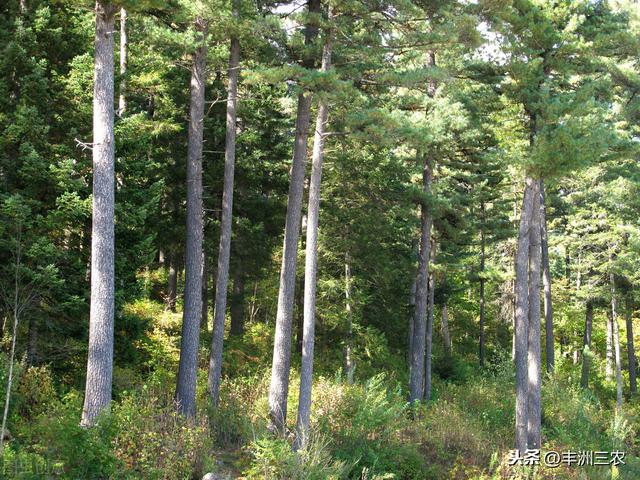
[361,431]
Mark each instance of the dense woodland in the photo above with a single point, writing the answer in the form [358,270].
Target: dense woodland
[332,239]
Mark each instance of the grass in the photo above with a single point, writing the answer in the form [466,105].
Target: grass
[360,431]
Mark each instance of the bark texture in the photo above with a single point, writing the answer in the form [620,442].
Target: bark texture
[349,366]
[311,263]
[609,352]
[616,341]
[586,355]
[417,387]
[187,369]
[224,250]
[631,351]
[521,333]
[100,356]
[279,387]
[426,394]
[534,352]
[482,268]
[546,277]
[124,59]
[422,294]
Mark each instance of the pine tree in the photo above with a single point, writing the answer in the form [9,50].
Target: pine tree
[100,360]
[190,340]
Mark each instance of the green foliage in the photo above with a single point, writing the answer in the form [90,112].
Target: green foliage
[56,435]
[274,459]
[153,441]
[367,422]
[546,88]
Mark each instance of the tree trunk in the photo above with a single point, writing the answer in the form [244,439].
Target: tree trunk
[586,355]
[609,353]
[299,309]
[172,284]
[514,293]
[237,303]
[224,250]
[546,275]
[521,332]
[349,364]
[100,355]
[311,262]
[412,309]
[631,353]
[482,268]
[426,392]
[422,287]
[187,370]
[616,341]
[279,387]
[124,53]
[534,352]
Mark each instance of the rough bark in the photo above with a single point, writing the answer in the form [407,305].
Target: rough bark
[546,277]
[422,294]
[521,333]
[224,250]
[426,393]
[299,303]
[237,303]
[124,54]
[482,268]
[187,369]
[514,293]
[311,262]
[586,355]
[616,341]
[282,346]
[172,284]
[412,308]
[609,351]
[534,352]
[349,363]
[631,352]
[279,387]
[100,356]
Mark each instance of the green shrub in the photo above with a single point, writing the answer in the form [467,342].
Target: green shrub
[155,442]
[274,459]
[77,452]
[34,392]
[369,424]
[232,423]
